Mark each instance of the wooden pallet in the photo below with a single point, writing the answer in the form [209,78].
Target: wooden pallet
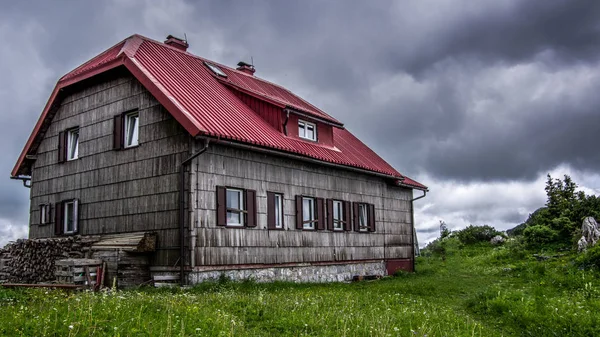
[81,272]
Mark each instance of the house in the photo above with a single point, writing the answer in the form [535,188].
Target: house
[233,173]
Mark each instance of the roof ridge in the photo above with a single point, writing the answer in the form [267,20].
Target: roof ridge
[98,56]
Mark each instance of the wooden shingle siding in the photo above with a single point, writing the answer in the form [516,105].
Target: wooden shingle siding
[119,191]
[226,166]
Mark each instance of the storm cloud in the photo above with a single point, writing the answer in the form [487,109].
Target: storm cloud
[477,100]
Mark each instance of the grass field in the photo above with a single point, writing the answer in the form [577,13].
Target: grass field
[476,291]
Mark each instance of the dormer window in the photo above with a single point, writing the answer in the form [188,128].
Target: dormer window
[307,130]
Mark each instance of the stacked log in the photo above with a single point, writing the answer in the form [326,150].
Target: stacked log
[32,261]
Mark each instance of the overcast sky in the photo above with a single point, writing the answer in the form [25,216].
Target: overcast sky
[479,100]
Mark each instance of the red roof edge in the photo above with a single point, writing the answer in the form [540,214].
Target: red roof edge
[59,86]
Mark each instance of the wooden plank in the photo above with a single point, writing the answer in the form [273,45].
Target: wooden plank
[165,278]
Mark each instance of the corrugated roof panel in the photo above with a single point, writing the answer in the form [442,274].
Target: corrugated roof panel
[206,101]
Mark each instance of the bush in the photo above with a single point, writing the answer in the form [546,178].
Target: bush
[536,236]
[591,258]
[475,234]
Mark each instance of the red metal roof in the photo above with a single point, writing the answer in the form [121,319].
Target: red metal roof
[204,105]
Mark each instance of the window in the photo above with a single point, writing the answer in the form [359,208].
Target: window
[215,69]
[362,218]
[307,130]
[338,215]
[72,144]
[235,207]
[67,217]
[70,221]
[308,213]
[44,214]
[131,129]
[126,130]
[274,210]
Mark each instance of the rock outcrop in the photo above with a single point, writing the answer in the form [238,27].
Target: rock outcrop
[497,240]
[590,234]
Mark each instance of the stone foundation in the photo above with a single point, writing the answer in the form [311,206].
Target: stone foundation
[300,273]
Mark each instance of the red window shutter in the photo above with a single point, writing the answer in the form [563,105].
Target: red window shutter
[371,215]
[330,214]
[250,201]
[221,206]
[356,216]
[118,141]
[270,210]
[320,213]
[299,212]
[42,211]
[62,147]
[49,215]
[348,215]
[58,224]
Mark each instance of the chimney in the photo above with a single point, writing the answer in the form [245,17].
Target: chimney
[245,67]
[176,42]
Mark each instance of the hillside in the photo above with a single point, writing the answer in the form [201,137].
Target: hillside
[478,290]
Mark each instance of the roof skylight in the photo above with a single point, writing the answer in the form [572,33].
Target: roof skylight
[215,69]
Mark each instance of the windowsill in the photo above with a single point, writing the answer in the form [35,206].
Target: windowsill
[131,147]
[234,226]
[309,140]
[276,229]
[72,159]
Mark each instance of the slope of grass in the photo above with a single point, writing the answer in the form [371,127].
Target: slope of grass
[476,291]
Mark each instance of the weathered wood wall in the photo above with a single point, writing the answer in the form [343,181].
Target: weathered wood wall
[119,191]
[244,169]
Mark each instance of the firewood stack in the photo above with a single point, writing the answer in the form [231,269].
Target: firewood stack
[32,261]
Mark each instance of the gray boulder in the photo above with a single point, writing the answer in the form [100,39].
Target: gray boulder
[497,240]
[590,234]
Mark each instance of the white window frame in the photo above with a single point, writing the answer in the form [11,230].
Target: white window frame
[310,223]
[72,144]
[44,211]
[133,139]
[278,211]
[74,204]
[241,211]
[338,222]
[303,127]
[363,217]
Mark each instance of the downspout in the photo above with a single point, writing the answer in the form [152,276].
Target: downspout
[182,211]
[287,117]
[25,179]
[412,238]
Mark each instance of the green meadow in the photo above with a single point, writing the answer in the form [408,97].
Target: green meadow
[474,290]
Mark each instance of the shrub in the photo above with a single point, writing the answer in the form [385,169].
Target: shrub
[475,234]
[591,258]
[536,236]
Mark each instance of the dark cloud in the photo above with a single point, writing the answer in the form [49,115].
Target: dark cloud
[457,92]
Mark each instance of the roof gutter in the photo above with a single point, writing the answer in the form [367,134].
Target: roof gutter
[182,211]
[25,179]
[297,157]
[412,214]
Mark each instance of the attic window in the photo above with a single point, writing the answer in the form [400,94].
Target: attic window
[307,130]
[215,69]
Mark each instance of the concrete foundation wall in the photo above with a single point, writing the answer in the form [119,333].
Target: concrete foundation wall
[306,273]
